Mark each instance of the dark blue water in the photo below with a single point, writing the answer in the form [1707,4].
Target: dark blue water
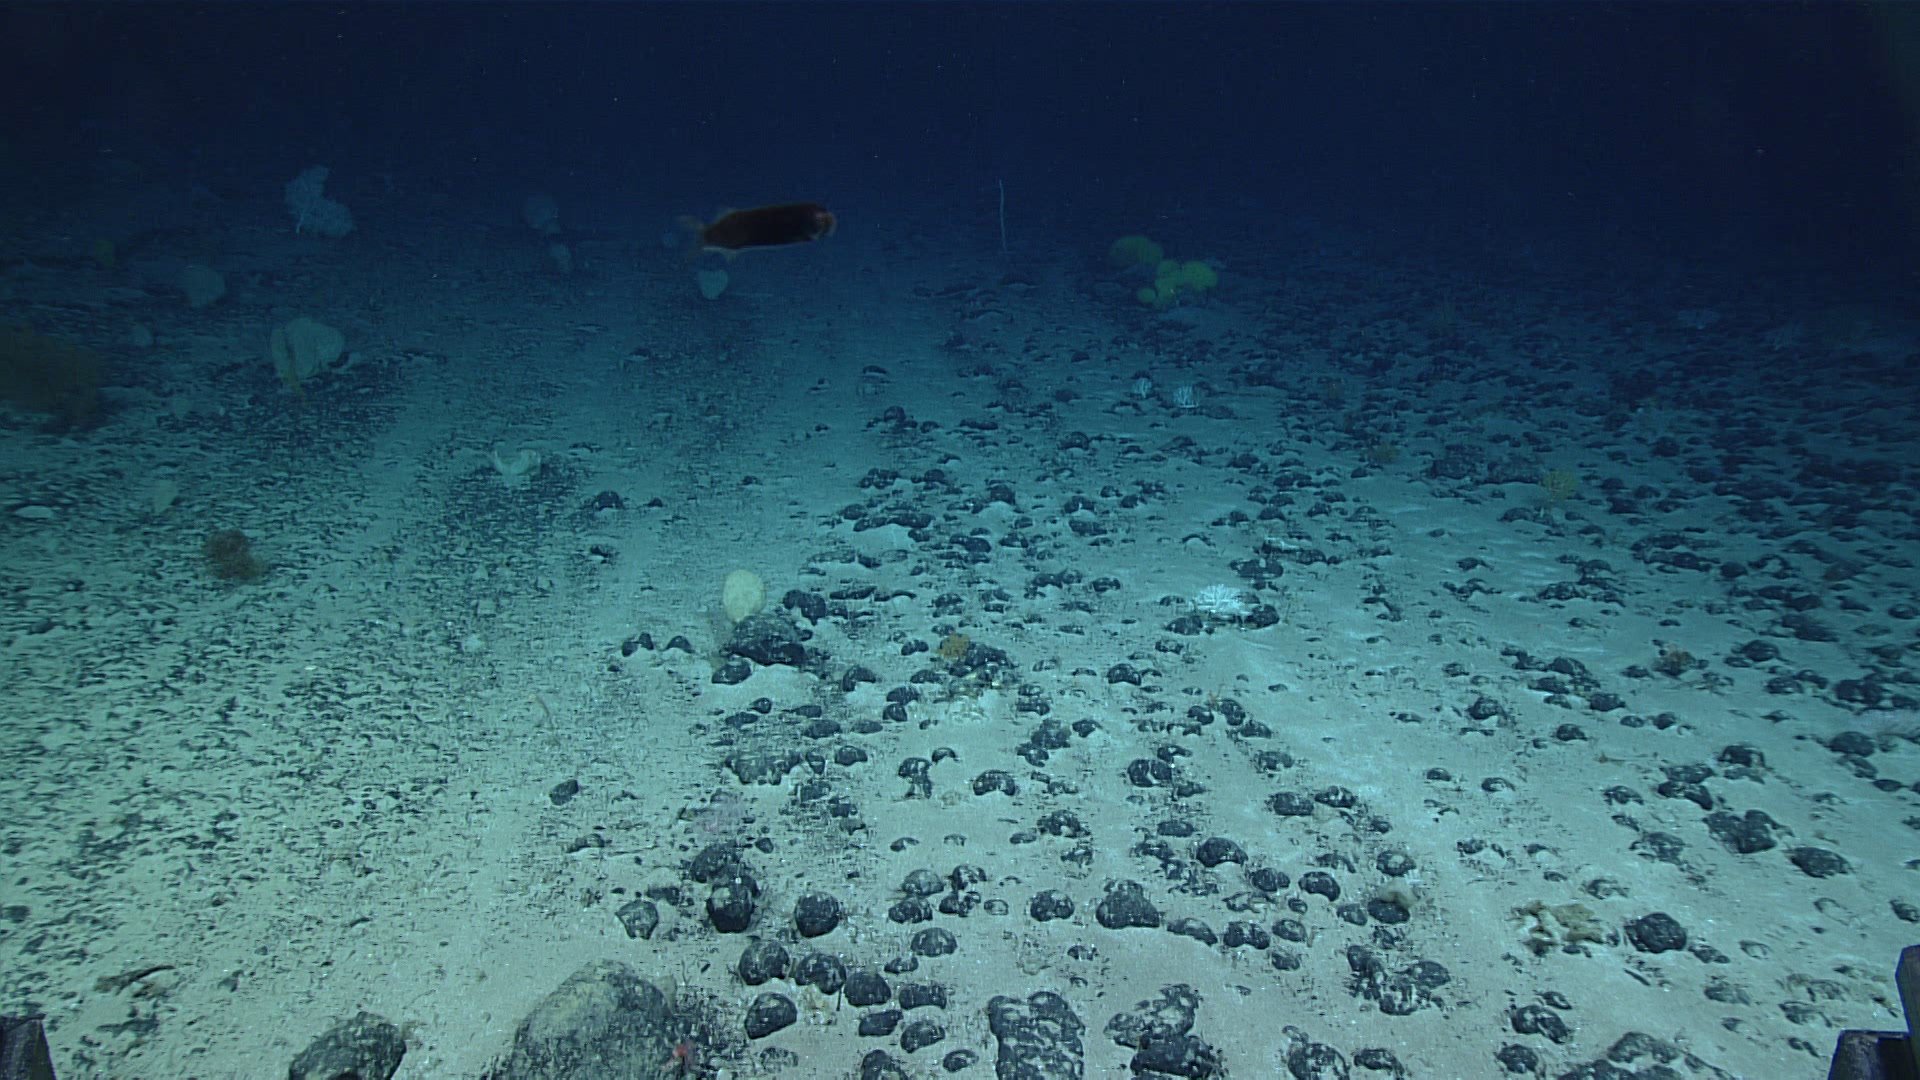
[1778,133]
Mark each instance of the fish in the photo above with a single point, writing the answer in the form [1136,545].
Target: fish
[764,226]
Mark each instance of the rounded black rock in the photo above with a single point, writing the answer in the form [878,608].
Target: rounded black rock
[933,941]
[770,1013]
[866,988]
[1656,933]
[816,914]
[731,903]
[763,960]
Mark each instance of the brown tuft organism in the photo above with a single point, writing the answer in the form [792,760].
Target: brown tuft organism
[47,375]
[230,553]
[953,648]
[1673,661]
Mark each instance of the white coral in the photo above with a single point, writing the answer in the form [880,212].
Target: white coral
[1221,602]
[312,211]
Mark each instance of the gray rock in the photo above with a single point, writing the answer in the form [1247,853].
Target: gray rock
[1037,1039]
[604,1020]
[364,1046]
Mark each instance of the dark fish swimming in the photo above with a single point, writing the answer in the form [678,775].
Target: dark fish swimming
[764,226]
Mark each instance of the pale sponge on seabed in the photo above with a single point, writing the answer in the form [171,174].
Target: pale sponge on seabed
[1221,602]
[515,470]
[742,595]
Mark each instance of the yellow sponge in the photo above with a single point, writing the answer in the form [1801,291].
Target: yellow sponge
[1173,277]
[1134,250]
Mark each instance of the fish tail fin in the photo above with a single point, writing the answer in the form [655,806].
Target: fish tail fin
[695,237]
[694,228]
